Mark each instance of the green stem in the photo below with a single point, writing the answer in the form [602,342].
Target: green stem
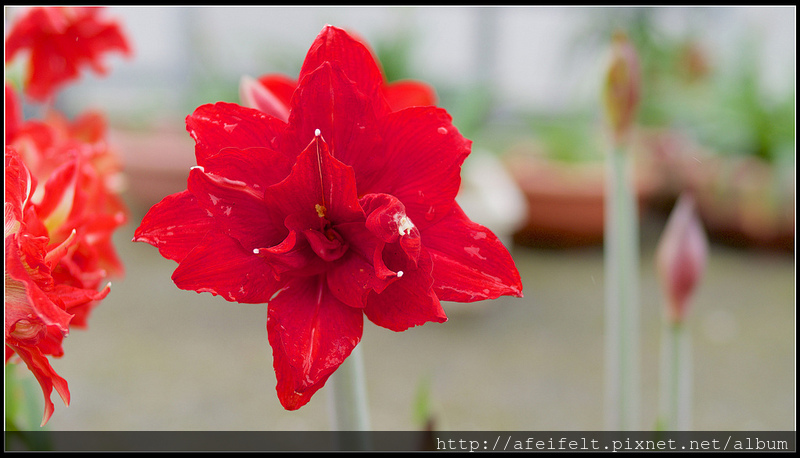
[621,245]
[349,410]
[676,398]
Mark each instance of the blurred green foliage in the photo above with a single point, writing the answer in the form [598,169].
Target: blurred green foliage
[568,138]
[725,108]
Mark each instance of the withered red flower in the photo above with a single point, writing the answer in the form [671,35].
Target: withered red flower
[38,307]
[81,176]
[61,209]
[344,207]
[62,40]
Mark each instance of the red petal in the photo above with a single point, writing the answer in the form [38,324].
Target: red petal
[271,94]
[47,377]
[293,254]
[257,167]
[421,164]
[13,114]
[237,209]
[175,225]
[219,265]
[59,194]
[409,301]
[404,94]
[328,101]
[224,125]
[72,297]
[19,186]
[469,262]
[281,86]
[364,244]
[41,305]
[335,45]
[311,334]
[318,186]
[387,220]
[352,278]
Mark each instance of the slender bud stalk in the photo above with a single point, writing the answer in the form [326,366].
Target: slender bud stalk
[622,295]
[621,243]
[680,263]
[348,401]
[675,401]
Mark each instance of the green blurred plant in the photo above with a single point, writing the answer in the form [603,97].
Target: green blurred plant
[470,105]
[571,138]
[21,404]
[23,412]
[422,414]
[685,87]
[739,118]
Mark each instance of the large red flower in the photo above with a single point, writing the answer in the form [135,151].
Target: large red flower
[38,307]
[344,208]
[80,193]
[61,40]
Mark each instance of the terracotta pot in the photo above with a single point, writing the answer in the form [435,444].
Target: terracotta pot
[565,200]
[742,200]
[746,202]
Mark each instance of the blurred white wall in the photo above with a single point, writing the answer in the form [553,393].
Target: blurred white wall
[523,52]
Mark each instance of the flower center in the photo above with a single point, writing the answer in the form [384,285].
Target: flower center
[404,224]
[326,242]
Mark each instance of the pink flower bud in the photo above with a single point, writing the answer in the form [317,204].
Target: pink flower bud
[681,256]
[621,92]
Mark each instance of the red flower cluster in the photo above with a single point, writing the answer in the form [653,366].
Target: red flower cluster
[61,40]
[330,205]
[60,209]
[60,213]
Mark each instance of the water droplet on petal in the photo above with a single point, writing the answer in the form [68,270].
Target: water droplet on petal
[442,130]
[474,251]
[430,214]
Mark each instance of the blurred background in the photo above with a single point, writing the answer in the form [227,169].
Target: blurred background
[717,117]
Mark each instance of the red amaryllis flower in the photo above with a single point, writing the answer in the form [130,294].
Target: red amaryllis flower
[61,40]
[80,193]
[346,208]
[38,307]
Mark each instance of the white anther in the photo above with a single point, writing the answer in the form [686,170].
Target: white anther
[404,224]
[399,273]
[255,250]
[200,167]
[317,133]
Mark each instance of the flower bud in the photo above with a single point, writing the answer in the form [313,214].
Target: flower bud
[621,92]
[681,256]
